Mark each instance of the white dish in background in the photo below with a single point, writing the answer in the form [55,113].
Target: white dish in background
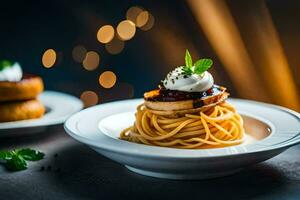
[271,129]
[59,107]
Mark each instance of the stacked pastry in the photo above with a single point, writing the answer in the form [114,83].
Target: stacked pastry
[18,94]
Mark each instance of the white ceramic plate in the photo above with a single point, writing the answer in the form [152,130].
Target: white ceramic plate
[59,107]
[271,130]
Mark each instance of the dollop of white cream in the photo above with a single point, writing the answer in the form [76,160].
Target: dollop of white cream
[176,80]
[12,74]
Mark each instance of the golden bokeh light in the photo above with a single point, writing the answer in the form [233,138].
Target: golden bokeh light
[79,53]
[150,22]
[89,98]
[133,12]
[107,79]
[126,29]
[115,46]
[105,34]
[142,19]
[49,58]
[91,60]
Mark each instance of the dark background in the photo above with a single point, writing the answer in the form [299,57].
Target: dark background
[28,28]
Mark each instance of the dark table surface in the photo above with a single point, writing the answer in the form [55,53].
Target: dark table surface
[74,171]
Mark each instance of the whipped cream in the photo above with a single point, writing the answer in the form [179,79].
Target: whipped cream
[12,73]
[177,80]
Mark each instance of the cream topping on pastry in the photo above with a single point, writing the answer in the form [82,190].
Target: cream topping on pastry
[178,80]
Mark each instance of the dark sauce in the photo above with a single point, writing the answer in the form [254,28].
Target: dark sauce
[175,95]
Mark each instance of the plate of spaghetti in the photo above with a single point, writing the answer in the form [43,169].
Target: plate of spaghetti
[188,128]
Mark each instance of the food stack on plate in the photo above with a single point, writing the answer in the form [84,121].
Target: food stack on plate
[18,93]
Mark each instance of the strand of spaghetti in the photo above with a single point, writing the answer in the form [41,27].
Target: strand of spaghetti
[228,107]
[139,124]
[183,145]
[143,140]
[194,128]
[215,124]
[125,131]
[186,142]
[164,120]
[203,141]
[190,133]
[240,119]
[194,133]
[152,134]
[167,135]
[145,125]
[171,125]
[239,126]
[220,118]
[215,112]
[225,142]
[196,123]
[235,133]
[206,128]
[171,143]
[153,122]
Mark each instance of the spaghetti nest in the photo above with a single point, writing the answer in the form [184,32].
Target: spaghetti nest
[217,126]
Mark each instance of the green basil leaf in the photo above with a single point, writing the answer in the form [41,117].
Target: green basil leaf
[5,155]
[16,163]
[30,154]
[188,59]
[202,65]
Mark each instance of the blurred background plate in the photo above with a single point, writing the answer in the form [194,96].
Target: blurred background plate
[59,106]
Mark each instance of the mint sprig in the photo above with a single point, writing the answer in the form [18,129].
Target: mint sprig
[188,59]
[15,160]
[199,67]
[4,64]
